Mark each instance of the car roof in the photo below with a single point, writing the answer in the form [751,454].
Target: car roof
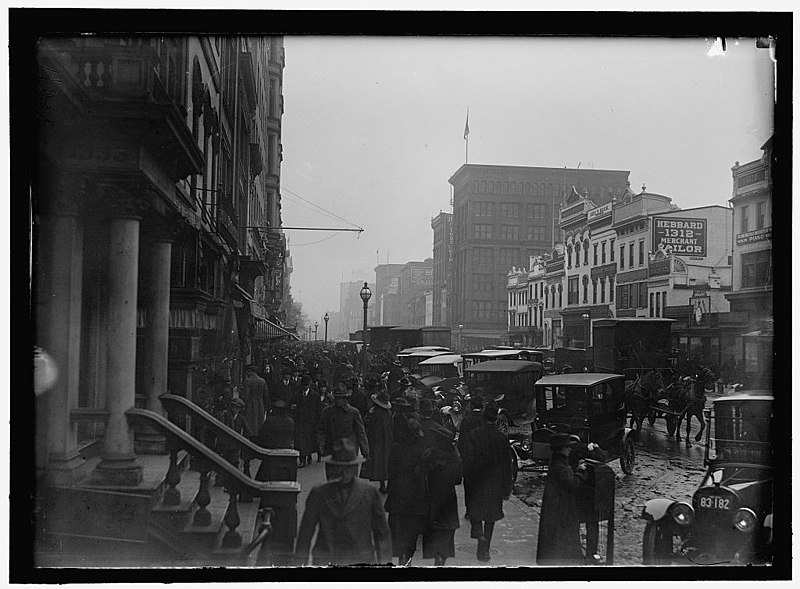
[421,348]
[505,366]
[443,359]
[579,379]
[746,396]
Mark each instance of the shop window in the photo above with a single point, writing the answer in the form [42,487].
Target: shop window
[757,268]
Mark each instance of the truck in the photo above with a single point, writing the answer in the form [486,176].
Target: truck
[398,337]
[626,345]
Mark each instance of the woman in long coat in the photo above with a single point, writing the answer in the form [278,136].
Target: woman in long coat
[487,470]
[378,423]
[443,466]
[559,528]
[407,498]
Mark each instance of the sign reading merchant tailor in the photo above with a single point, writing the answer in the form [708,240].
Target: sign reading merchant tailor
[684,237]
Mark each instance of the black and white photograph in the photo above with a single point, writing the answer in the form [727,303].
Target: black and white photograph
[448,296]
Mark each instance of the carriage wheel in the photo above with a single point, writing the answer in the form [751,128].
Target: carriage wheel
[502,424]
[656,544]
[672,422]
[627,459]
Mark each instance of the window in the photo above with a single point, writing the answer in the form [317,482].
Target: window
[483,209]
[602,252]
[536,234]
[642,295]
[652,306]
[602,290]
[630,255]
[622,296]
[509,210]
[611,289]
[585,290]
[658,304]
[536,211]
[622,257]
[481,231]
[578,254]
[757,268]
[572,291]
[612,250]
[745,221]
[560,294]
[482,282]
[641,252]
[482,309]
[760,214]
[482,255]
[569,256]
[594,290]
[510,232]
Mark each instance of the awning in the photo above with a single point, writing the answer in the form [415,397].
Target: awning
[267,330]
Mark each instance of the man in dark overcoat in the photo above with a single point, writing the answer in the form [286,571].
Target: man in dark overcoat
[358,398]
[444,472]
[284,388]
[406,500]
[340,420]
[277,432]
[378,424]
[346,513]
[559,527]
[307,408]
[427,413]
[470,421]
[487,468]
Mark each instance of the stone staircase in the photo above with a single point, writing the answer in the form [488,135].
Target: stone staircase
[91,526]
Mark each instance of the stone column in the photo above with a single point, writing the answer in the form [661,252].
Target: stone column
[155,292]
[59,274]
[118,466]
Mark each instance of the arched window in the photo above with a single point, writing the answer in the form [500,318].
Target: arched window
[504,189]
[491,187]
[535,189]
[483,186]
[527,188]
[577,254]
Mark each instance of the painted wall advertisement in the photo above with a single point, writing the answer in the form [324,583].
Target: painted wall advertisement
[683,237]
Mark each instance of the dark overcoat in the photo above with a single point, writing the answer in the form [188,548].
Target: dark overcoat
[559,528]
[283,391]
[341,422]
[407,483]
[378,424]
[360,401]
[256,402]
[347,532]
[444,473]
[487,471]
[308,409]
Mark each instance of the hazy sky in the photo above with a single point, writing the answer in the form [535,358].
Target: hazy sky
[373,128]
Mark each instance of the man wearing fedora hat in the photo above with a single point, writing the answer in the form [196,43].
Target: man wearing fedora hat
[346,513]
[559,527]
[427,413]
[307,410]
[444,471]
[378,424]
[341,420]
[358,398]
[487,469]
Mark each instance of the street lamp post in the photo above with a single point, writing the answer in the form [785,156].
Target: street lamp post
[461,339]
[365,293]
[316,324]
[326,318]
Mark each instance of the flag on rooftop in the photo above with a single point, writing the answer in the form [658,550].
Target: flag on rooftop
[466,126]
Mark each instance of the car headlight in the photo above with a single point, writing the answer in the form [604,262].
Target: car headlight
[682,513]
[745,520]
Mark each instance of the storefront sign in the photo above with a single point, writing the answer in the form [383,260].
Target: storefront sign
[599,212]
[754,236]
[752,178]
[681,236]
[660,267]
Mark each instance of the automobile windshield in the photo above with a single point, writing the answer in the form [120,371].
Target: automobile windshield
[735,476]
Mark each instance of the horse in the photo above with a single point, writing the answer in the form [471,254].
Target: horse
[692,398]
[640,396]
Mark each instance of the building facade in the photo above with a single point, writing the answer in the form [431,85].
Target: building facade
[386,295]
[442,225]
[752,292]
[159,255]
[503,215]
[416,288]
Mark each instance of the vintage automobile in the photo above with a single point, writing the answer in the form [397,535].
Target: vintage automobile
[509,383]
[410,358]
[503,353]
[588,404]
[729,519]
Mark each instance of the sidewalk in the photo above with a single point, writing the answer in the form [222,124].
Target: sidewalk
[513,543]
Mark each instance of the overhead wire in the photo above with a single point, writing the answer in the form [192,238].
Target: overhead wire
[324,210]
[318,241]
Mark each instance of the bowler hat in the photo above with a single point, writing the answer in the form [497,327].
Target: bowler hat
[344,454]
[559,441]
[237,403]
[573,439]
[426,408]
[381,400]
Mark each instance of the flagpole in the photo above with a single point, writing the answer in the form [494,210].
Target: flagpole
[466,138]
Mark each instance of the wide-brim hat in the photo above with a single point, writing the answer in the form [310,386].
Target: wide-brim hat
[381,400]
[338,393]
[402,404]
[406,382]
[345,453]
[560,440]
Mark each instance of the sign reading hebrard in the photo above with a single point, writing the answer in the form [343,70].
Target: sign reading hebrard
[681,236]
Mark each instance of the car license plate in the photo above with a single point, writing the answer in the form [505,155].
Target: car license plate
[721,503]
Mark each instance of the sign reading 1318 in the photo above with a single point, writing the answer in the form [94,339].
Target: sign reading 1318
[685,237]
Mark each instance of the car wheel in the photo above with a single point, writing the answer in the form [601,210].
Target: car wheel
[627,459]
[502,424]
[656,544]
